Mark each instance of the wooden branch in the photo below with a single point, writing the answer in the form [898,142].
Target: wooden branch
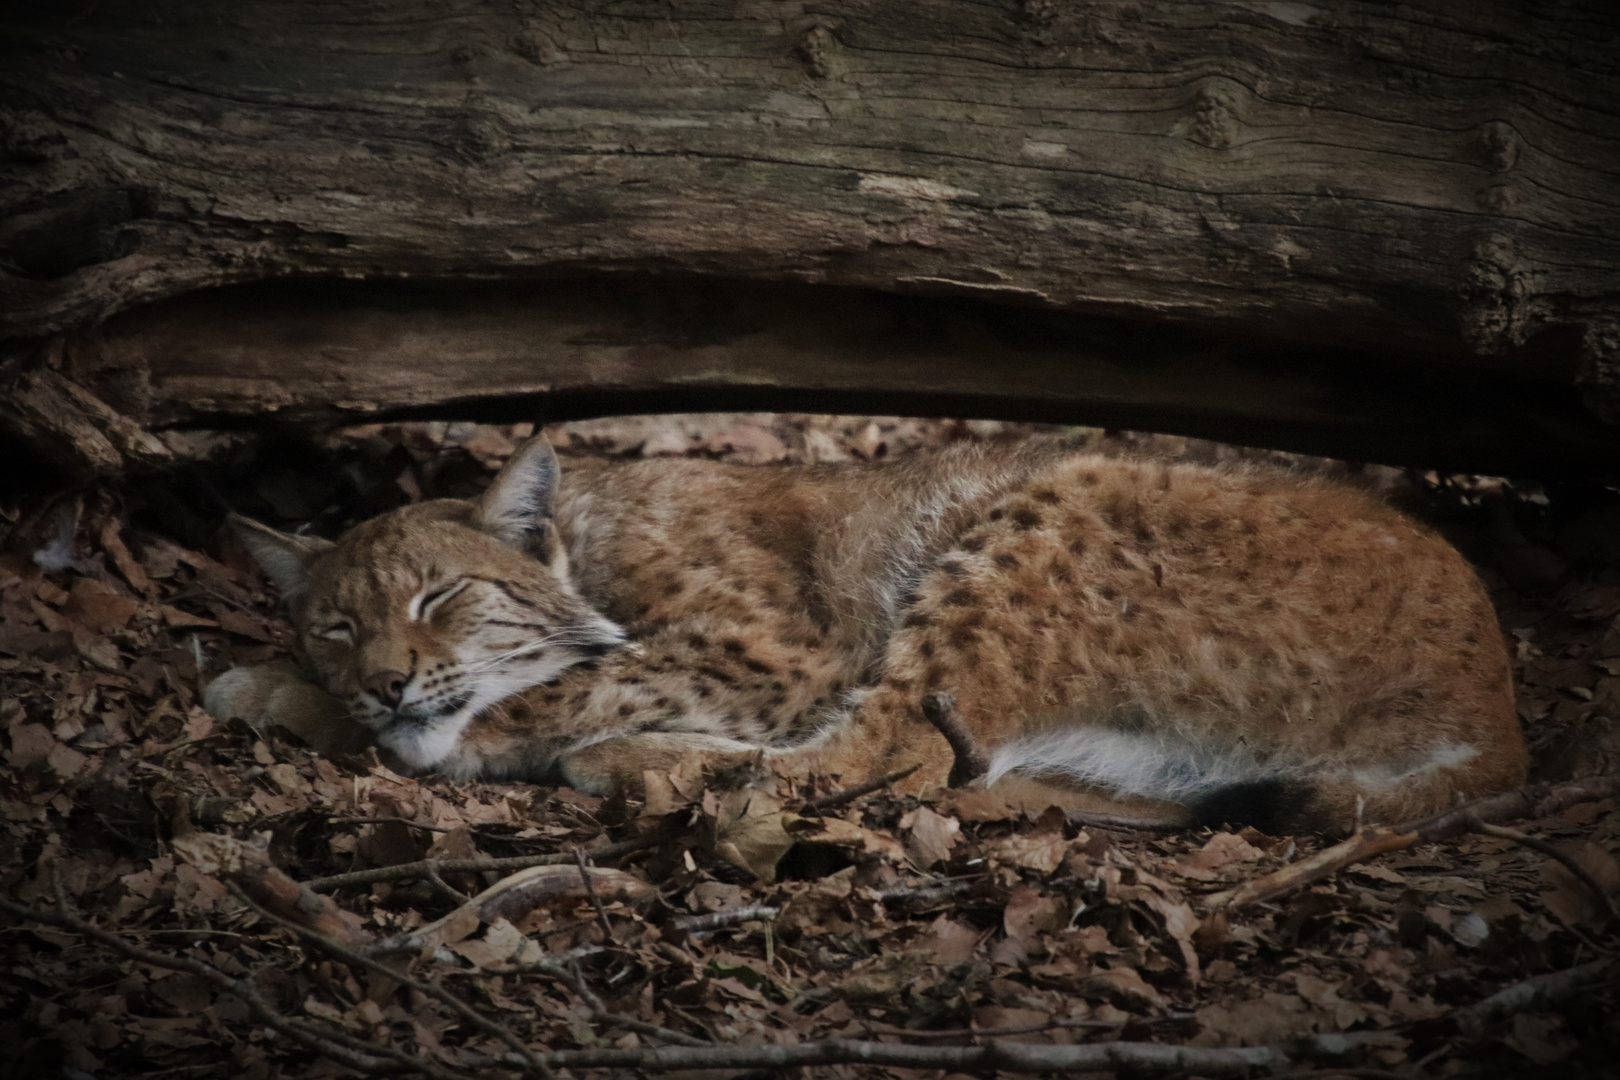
[369,1058]
[933,1034]
[404,871]
[1535,993]
[1581,873]
[925,894]
[249,866]
[532,1065]
[590,891]
[74,429]
[1147,1058]
[601,1013]
[939,709]
[1534,801]
[702,924]
[849,795]
[513,897]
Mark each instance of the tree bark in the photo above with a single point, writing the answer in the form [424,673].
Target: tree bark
[1291,223]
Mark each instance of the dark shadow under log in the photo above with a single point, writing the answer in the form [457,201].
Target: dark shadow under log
[328,352]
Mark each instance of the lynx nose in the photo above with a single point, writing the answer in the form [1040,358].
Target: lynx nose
[387,687]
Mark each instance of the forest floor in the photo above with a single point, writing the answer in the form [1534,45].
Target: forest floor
[152,923]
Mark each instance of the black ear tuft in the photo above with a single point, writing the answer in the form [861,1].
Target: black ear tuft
[1273,806]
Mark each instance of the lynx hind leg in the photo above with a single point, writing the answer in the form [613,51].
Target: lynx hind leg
[277,695]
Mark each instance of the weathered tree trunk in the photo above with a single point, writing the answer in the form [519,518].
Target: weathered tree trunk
[1376,230]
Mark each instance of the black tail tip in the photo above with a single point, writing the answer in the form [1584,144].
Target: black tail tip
[1273,806]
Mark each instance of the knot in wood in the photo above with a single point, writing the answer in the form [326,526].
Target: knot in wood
[815,49]
[1501,145]
[1215,122]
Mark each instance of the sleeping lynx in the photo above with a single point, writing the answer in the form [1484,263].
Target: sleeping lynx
[1174,641]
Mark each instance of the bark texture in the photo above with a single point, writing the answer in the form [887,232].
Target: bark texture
[1425,187]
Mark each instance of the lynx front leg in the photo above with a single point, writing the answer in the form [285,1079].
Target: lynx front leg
[277,695]
[611,764]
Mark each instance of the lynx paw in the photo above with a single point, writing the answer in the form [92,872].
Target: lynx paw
[613,764]
[277,695]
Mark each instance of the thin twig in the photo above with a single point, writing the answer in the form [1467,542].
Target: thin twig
[417,869]
[1534,993]
[994,1032]
[926,894]
[1097,819]
[1534,801]
[849,795]
[601,1013]
[530,967]
[590,891]
[700,924]
[426,989]
[1581,873]
[939,709]
[455,895]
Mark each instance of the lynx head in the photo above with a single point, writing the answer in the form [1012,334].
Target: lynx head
[424,616]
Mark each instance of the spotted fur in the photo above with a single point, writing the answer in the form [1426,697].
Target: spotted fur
[1123,635]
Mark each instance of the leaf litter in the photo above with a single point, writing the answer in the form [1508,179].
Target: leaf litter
[696,919]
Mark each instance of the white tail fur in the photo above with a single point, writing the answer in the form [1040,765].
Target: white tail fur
[1129,763]
[1180,771]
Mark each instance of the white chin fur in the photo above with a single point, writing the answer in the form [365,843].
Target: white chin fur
[423,747]
[433,745]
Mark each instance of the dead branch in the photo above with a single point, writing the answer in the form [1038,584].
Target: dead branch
[590,891]
[601,1013]
[533,1066]
[1012,1057]
[1534,993]
[925,894]
[531,968]
[700,924]
[513,897]
[445,889]
[849,795]
[939,709]
[1126,822]
[1533,801]
[249,866]
[375,1059]
[1328,1049]
[930,1034]
[369,1058]
[1582,874]
[404,871]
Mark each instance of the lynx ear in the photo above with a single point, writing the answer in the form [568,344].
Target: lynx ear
[283,556]
[517,507]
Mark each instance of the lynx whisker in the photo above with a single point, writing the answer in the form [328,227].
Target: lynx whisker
[566,637]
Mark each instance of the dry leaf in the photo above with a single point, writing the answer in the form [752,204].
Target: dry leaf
[1030,913]
[750,831]
[1042,852]
[1267,1019]
[930,837]
[1222,849]
[951,942]
[1570,898]
[1124,987]
[819,906]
